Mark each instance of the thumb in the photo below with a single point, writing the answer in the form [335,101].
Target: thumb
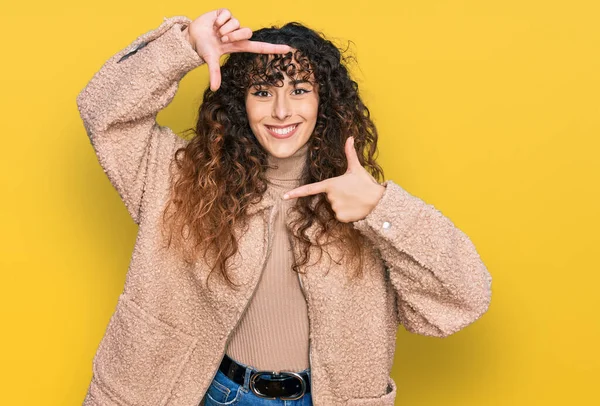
[351,156]
[214,72]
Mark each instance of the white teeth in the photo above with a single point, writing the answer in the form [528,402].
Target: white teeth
[283,131]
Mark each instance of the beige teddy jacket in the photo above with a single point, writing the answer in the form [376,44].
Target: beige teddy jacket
[168,333]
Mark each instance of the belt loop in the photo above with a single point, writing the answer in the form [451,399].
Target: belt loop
[247,376]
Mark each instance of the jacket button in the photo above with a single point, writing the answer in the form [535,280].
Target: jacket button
[386,225]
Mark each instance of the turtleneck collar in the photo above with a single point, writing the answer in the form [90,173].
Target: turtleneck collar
[287,169]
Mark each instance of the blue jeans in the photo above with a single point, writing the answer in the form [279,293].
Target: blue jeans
[224,392]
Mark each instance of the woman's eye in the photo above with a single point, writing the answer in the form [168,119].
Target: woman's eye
[261,93]
[298,92]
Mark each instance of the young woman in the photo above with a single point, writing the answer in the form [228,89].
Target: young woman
[271,266]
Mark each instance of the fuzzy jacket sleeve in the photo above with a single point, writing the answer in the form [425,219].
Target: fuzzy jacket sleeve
[441,283]
[120,103]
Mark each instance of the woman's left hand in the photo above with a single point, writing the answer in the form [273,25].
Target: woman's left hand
[352,195]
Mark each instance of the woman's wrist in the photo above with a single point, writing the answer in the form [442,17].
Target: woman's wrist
[186,33]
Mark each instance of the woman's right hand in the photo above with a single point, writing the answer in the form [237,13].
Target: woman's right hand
[218,33]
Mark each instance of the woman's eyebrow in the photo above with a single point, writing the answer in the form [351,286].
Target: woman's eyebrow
[293,82]
[299,81]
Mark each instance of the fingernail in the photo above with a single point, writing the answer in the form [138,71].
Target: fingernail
[286,196]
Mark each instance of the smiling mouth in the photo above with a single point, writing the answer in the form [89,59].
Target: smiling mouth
[282,132]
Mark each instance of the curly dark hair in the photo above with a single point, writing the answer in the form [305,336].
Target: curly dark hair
[221,171]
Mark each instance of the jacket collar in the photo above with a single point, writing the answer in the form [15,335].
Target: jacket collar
[268,200]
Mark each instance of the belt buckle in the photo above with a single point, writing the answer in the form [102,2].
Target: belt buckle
[258,374]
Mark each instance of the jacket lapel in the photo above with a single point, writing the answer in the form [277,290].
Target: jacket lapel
[268,200]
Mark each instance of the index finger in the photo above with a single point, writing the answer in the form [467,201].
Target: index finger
[259,47]
[307,190]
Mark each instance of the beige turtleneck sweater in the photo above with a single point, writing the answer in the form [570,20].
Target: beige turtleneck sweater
[273,332]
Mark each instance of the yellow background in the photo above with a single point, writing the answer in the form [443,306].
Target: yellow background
[487,110]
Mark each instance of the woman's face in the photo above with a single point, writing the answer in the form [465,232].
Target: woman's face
[282,118]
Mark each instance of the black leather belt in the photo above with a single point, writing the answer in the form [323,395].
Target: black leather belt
[268,384]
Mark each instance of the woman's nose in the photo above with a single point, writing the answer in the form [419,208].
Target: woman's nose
[281,108]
